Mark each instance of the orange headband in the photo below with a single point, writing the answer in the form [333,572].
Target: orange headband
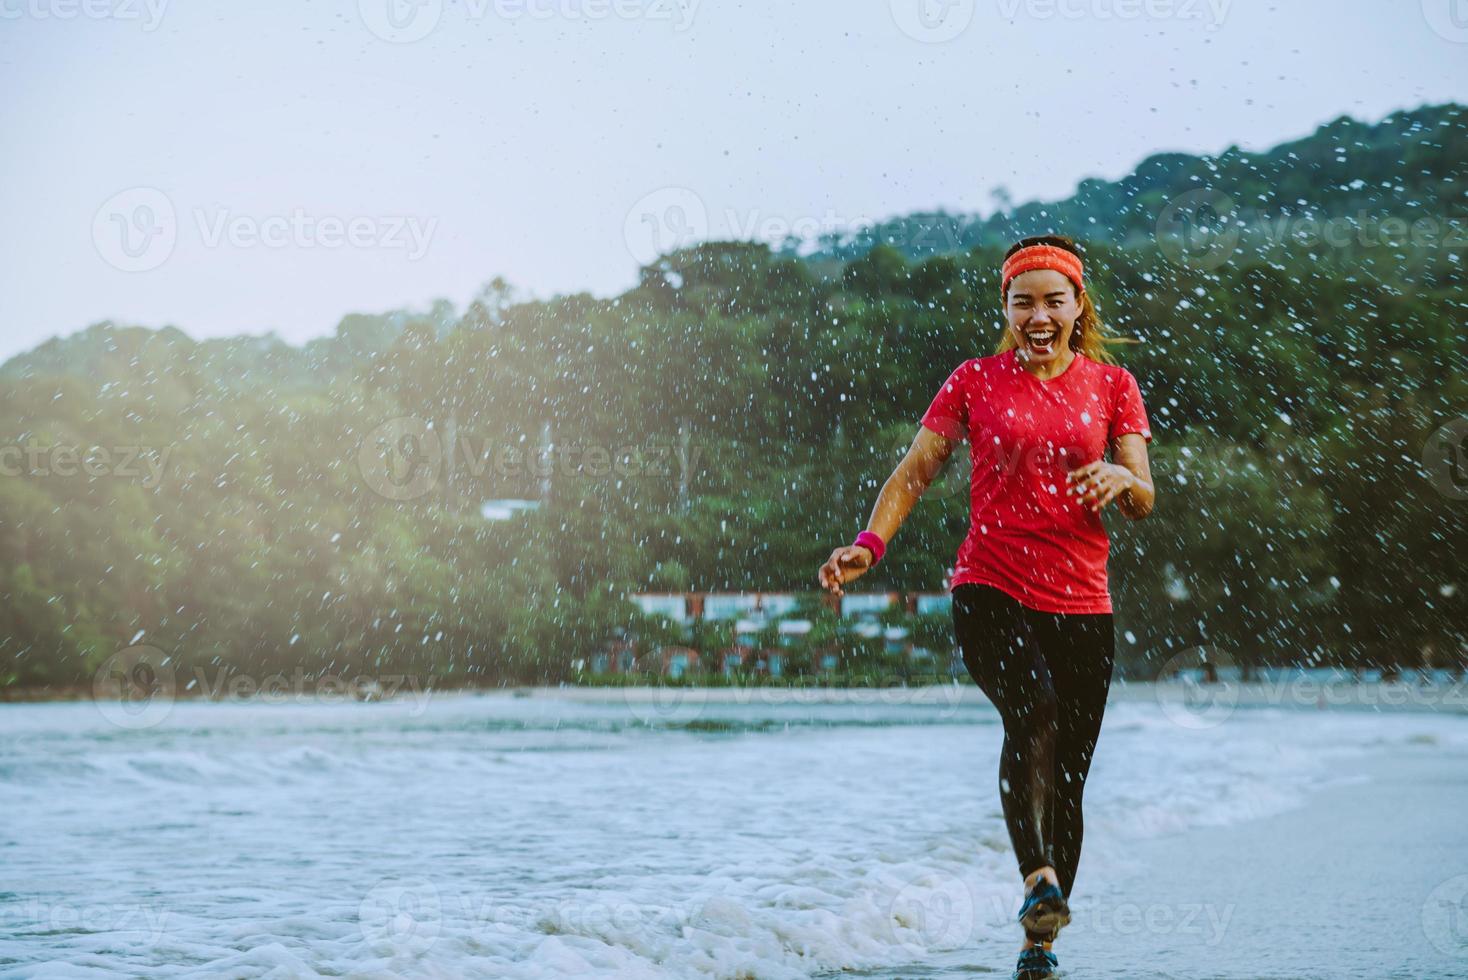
[1033,257]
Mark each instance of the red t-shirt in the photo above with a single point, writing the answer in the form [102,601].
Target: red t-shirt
[1028,537]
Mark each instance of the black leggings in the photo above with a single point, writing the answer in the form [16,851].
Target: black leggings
[1048,675]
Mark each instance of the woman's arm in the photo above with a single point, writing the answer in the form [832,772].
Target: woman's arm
[1130,451]
[925,457]
[1128,481]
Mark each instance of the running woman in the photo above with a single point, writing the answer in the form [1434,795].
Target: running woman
[1031,606]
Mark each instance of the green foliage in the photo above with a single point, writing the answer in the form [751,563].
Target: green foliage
[747,406]
[1400,167]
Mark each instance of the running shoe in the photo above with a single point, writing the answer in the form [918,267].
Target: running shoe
[1036,963]
[1045,910]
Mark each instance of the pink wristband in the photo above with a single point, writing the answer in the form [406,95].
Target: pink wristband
[873,543]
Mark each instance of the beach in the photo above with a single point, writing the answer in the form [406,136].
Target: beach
[637,834]
[1368,878]
[1365,880]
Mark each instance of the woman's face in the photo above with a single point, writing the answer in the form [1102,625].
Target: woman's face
[1042,308]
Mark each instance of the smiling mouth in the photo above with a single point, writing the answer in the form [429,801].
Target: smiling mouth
[1042,341]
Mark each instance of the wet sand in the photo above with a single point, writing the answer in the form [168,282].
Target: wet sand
[1369,879]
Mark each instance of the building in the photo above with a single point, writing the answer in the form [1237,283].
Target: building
[676,606]
[928,603]
[685,607]
[740,656]
[616,656]
[867,604]
[677,661]
[503,510]
[752,615]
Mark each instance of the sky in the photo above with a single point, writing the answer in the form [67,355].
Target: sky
[232,168]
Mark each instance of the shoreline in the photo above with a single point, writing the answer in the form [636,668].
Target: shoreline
[1204,701]
[1188,701]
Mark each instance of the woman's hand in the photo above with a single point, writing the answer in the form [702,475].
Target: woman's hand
[845,564]
[1098,484]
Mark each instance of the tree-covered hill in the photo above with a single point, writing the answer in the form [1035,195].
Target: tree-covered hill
[112,352]
[725,423]
[1408,166]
